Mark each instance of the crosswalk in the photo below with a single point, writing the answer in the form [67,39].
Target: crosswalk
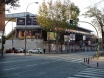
[90,73]
[67,59]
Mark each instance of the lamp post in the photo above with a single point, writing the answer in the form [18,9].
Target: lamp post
[12,35]
[3,36]
[97,53]
[26,24]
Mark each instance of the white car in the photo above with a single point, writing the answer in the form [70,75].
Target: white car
[20,50]
[36,50]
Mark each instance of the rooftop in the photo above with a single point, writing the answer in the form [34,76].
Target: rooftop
[22,14]
[16,15]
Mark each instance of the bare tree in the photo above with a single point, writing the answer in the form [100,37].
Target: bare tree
[97,13]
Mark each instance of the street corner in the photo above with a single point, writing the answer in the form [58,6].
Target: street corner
[94,63]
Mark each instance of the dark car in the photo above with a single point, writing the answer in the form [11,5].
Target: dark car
[10,51]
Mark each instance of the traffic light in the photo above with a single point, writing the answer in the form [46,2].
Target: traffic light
[3,39]
[71,22]
[27,17]
[96,40]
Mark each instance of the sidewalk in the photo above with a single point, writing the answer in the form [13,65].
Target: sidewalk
[98,63]
[6,55]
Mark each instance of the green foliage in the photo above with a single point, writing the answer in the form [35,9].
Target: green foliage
[11,3]
[57,15]
[8,2]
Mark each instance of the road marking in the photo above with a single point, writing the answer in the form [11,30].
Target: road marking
[18,60]
[12,68]
[26,66]
[90,73]
[31,65]
[45,62]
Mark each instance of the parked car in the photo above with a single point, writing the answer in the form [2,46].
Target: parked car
[21,50]
[10,50]
[36,50]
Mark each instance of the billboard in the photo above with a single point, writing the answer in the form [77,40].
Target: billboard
[29,33]
[72,36]
[84,37]
[67,38]
[30,21]
[20,21]
[51,36]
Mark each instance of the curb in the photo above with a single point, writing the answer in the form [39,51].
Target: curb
[91,66]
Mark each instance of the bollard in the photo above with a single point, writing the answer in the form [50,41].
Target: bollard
[88,61]
[97,64]
[91,58]
[84,60]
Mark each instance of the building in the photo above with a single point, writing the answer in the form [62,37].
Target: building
[28,33]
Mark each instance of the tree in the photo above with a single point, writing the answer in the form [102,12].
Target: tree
[55,16]
[11,3]
[98,17]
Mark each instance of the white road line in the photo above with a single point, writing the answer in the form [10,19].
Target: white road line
[12,68]
[45,62]
[86,76]
[31,65]
[27,66]
[17,61]
[90,73]
[74,60]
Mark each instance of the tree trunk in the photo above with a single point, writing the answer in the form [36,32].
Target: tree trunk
[61,48]
[103,41]
[49,45]
[56,45]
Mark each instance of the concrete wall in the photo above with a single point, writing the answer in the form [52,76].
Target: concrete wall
[36,43]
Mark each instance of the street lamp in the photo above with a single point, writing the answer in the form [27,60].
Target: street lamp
[26,24]
[12,35]
[97,53]
[3,36]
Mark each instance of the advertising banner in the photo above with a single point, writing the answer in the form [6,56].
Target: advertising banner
[51,36]
[84,37]
[20,21]
[72,36]
[34,21]
[30,33]
[66,38]
[30,21]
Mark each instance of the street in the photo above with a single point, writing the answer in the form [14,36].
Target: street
[42,65]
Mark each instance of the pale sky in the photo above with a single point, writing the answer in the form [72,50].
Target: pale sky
[33,8]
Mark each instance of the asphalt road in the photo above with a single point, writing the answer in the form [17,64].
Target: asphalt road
[42,66]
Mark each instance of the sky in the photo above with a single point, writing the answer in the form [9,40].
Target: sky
[33,8]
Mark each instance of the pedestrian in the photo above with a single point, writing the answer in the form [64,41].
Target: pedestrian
[13,50]
[44,50]
[24,50]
